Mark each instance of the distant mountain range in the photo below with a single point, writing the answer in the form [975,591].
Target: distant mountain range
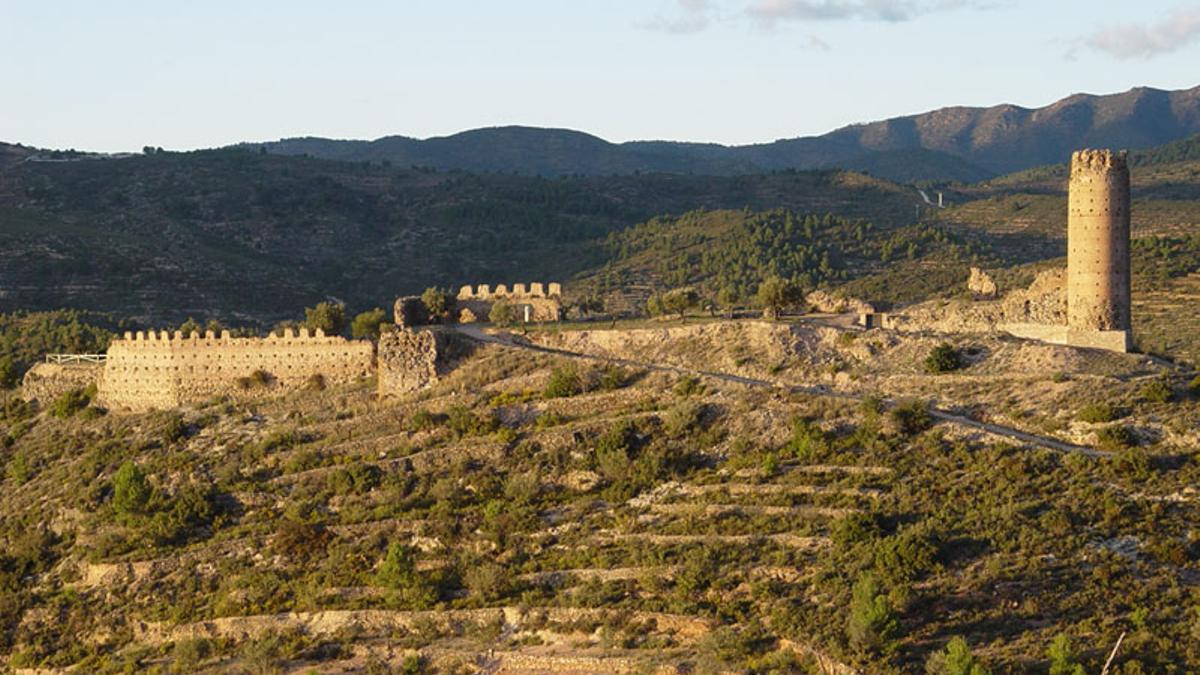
[951,144]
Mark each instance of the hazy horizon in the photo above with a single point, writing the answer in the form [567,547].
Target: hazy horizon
[734,72]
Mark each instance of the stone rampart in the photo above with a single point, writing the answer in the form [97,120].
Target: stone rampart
[163,370]
[518,292]
[535,302]
[45,382]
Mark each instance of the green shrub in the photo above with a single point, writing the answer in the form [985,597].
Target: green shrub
[911,417]
[684,418]
[131,490]
[906,557]
[1115,437]
[1134,463]
[1194,386]
[1157,391]
[423,420]
[943,359]
[503,313]
[872,625]
[564,381]
[399,573]
[854,528]
[70,402]
[299,540]
[689,385]
[1062,657]
[356,479]
[809,442]
[366,325]
[1097,413]
[9,377]
[956,659]
[612,378]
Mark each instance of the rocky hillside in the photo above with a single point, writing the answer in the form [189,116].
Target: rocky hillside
[534,514]
[956,143]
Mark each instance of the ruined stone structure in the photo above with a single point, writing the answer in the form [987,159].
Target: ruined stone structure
[46,381]
[537,302]
[408,360]
[1088,304]
[1098,297]
[163,370]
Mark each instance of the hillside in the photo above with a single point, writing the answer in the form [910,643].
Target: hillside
[950,144]
[620,520]
[252,238]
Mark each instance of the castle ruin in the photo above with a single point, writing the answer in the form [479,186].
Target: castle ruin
[1098,295]
[1088,304]
[164,370]
[537,302]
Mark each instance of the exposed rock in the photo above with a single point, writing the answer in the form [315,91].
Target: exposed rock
[981,284]
[828,303]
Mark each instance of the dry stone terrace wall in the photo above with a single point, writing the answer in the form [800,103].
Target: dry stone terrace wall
[161,370]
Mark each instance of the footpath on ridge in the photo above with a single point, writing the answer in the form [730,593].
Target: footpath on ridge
[475,332]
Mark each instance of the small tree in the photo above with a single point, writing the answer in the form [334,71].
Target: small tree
[191,326]
[8,373]
[131,491]
[957,659]
[1062,657]
[366,324]
[502,313]
[727,299]
[776,294]
[943,359]
[872,624]
[679,301]
[438,302]
[327,316]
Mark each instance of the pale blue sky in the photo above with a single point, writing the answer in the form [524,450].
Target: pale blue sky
[120,74]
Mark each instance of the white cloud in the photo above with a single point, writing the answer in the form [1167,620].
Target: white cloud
[692,16]
[770,12]
[1144,41]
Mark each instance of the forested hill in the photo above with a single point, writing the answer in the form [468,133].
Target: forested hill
[950,144]
[251,238]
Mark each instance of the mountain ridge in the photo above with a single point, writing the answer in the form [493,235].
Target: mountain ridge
[956,143]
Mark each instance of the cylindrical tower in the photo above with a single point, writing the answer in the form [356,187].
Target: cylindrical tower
[1098,242]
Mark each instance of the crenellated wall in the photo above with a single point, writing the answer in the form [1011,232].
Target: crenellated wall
[544,301]
[157,369]
[518,291]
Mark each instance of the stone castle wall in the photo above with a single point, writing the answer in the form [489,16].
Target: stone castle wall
[162,370]
[45,382]
[1098,288]
[544,301]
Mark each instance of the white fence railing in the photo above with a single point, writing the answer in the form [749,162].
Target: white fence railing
[66,359]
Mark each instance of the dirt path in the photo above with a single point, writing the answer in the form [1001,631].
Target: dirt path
[475,332]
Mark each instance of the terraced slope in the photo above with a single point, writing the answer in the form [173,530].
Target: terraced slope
[635,521]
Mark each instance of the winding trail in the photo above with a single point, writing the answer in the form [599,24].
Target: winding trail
[475,332]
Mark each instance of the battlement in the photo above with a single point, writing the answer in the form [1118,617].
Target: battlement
[162,369]
[1099,161]
[518,291]
[156,339]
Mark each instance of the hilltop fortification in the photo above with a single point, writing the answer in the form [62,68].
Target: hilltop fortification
[1098,298]
[163,370]
[1089,305]
[537,302]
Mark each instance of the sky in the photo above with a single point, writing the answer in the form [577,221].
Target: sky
[122,74]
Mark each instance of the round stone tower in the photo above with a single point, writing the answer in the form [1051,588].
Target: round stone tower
[1098,243]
